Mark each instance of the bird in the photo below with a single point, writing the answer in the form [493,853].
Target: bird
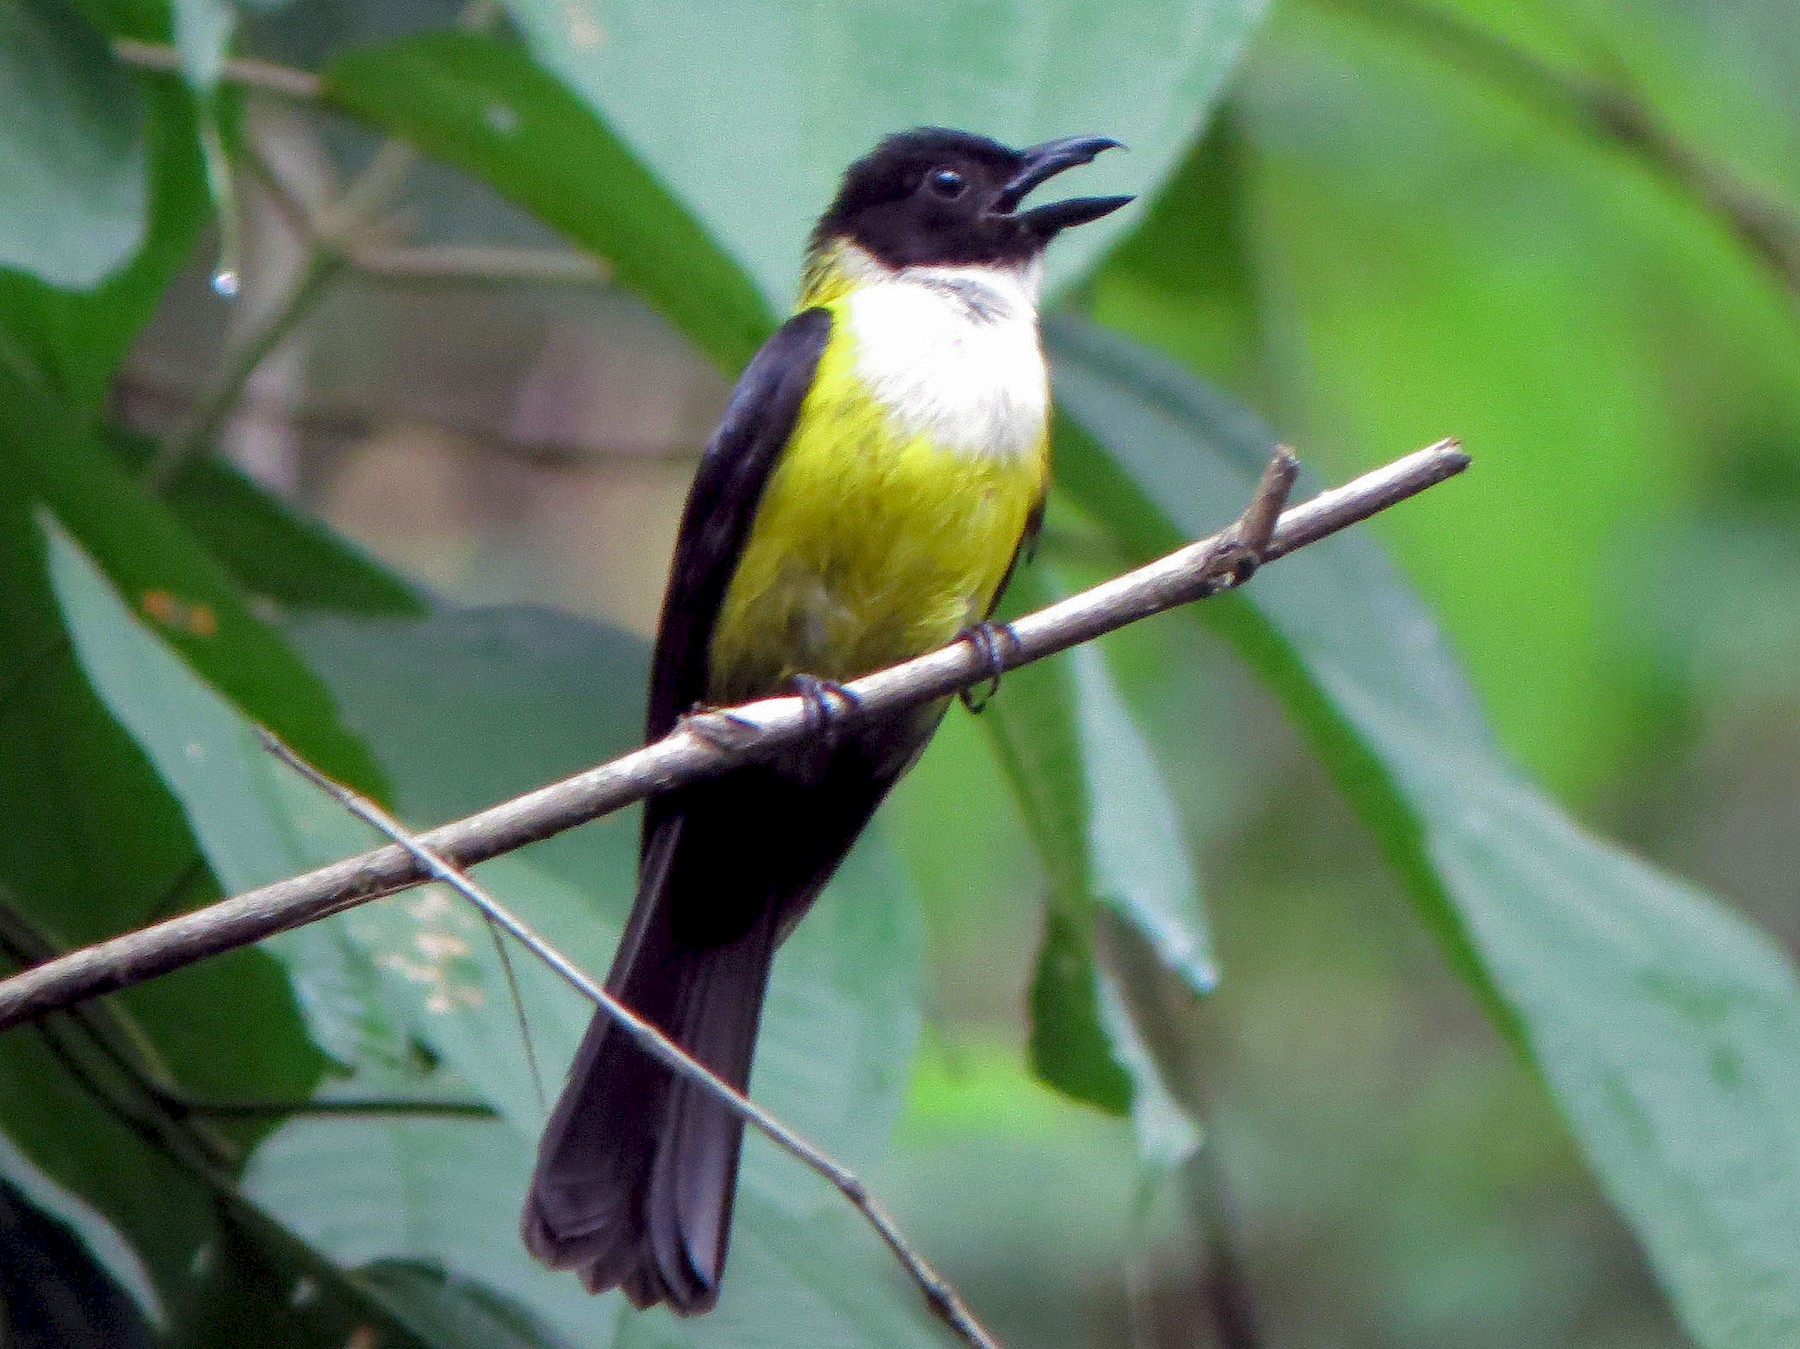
[879,469]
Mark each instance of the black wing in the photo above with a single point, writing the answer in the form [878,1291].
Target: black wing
[720,506]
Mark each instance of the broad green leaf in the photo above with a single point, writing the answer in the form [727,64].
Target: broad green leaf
[446,1192]
[480,103]
[1106,829]
[272,549]
[1667,1028]
[1071,1047]
[172,581]
[71,149]
[448,1310]
[71,342]
[750,112]
[91,843]
[200,1263]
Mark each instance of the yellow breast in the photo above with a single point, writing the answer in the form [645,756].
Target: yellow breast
[876,540]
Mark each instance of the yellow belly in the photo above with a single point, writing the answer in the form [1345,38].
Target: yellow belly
[869,546]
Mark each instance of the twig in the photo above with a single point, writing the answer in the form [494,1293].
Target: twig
[1224,1282]
[478,264]
[245,71]
[704,746]
[356,1107]
[1612,111]
[943,1299]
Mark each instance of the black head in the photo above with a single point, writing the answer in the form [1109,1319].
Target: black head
[935,196]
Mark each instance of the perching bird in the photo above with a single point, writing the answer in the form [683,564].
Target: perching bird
[882,463]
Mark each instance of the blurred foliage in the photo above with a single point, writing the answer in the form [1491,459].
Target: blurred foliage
[1569,234]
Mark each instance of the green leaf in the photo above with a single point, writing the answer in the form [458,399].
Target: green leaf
[481,104]
[447,1192]
[200,1263]
[809,88]
[1666,1027]
[1071,1048]
[271,548]
[1100,815]
[91,843]
[172,581]
[441,1192]
[69,342]
[448,1310]
[71,150]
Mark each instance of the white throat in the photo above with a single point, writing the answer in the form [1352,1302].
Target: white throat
[954,353]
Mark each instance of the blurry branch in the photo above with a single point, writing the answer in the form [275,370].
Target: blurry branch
[1167,1017]
[334,235]
[939,1295]
[709,743]
[154,396]
[1611,110]
[483,264]
[455,264]
[244,71]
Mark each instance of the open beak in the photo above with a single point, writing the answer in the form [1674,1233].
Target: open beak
[1043,162]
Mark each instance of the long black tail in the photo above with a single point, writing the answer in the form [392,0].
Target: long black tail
[637,1168]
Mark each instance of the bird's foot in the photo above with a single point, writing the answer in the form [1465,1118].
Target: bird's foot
[827,702]
[989,641]
[719,727]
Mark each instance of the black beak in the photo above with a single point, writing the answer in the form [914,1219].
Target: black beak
[1043,162]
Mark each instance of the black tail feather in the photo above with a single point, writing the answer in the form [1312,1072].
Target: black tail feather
[637,1169]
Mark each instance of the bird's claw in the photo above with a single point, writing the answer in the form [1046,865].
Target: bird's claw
[987,638]
[719,727]
[826,704]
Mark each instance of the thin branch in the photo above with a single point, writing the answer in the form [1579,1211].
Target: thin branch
[244,71]
[942,1298]
[704,746]
[1610,110]
[355,1107]
[1225,1285]
[478,264]
[157,394]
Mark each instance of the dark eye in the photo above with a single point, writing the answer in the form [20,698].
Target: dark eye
[945,183]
